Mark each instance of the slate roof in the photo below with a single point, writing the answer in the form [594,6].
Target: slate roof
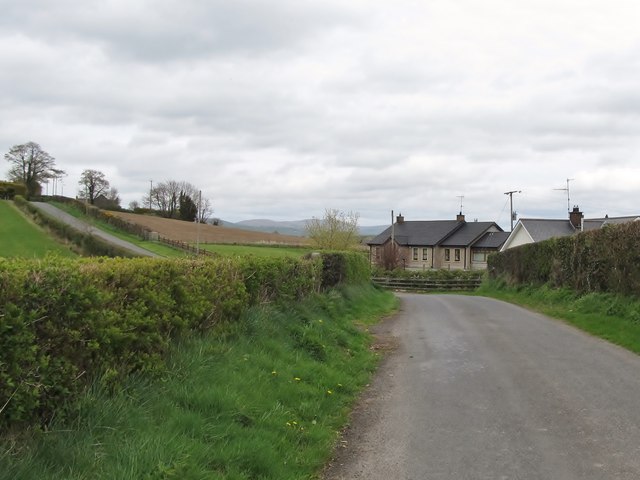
[428,233]
[542,229]
[595,223]
[467,235]
[423,233]
[492,240]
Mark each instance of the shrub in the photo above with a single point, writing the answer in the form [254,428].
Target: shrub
[65,323]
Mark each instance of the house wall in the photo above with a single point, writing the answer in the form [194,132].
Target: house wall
[419,258]
[480,263]
[519,237]
[452,263]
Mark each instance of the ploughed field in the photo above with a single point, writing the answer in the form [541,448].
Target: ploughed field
[188,231]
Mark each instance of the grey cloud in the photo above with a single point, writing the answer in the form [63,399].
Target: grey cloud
[173,30]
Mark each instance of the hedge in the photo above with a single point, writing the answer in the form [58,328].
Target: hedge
[603,260]
[66,323]
[8,190]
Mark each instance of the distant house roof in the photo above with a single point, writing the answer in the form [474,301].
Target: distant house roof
[468,234]
[542,229]
[429,233]
[595,223]
[492,240]
[529,230]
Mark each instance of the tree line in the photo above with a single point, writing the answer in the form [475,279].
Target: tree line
[32,166]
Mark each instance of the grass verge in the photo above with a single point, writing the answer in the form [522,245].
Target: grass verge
[21,238]
[262,398]
[615,318]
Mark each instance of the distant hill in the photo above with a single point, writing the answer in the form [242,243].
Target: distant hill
[292,227]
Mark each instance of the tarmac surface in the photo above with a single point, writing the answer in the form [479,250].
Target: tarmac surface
[475,388]
[85,227]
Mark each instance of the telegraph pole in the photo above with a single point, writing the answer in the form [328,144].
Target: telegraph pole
[198,223]
[511,203]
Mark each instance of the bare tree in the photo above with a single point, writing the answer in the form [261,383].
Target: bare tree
[337,230]
[165,198]
[204,210]
[390,258]
[114,197]
[94,184]
[31,165]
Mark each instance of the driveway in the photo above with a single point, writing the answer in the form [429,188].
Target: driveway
[481,389]
[85,227]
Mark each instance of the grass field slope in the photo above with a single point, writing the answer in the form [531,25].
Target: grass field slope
[189,232]
[21,238]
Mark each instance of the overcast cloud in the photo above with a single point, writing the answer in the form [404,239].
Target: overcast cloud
[281,109]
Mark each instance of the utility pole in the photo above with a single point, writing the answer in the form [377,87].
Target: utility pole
[198,224]
[150,190]
[511,203]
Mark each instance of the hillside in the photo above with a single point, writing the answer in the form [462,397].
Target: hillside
[189,231]
[21,238]
[294,227]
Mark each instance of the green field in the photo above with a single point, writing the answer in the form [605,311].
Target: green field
[21,238]
[256,250]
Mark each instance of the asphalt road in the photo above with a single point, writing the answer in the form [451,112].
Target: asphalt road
[481,389]
[85,227]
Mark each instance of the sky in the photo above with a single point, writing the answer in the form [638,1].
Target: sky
[282,109]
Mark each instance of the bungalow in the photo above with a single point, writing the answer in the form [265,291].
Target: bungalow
[531,230]
[436,244]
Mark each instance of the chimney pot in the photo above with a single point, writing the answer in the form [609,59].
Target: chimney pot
[575,218]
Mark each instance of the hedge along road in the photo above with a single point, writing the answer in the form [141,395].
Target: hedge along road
[481,389]
[85,227]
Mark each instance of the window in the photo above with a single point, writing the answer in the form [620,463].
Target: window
[424,253]
[415,253]
[457,254]
[447,255]
[479,256]
[377,252]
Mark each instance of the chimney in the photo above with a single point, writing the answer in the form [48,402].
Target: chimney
[575,218]
[460,217]
[399,219]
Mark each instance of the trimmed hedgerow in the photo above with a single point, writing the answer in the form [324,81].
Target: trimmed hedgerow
[66,323]
[604,260]
[438,274]
[63,322]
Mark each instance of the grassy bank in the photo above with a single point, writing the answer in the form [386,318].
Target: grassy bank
[260,398]
[21,238]
[615,318]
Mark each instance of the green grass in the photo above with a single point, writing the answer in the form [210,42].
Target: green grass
[256,250]
[263,398]
[155,247]
[21,238]
[615,318]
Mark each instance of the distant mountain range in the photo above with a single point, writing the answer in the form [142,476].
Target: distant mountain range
[292,227]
